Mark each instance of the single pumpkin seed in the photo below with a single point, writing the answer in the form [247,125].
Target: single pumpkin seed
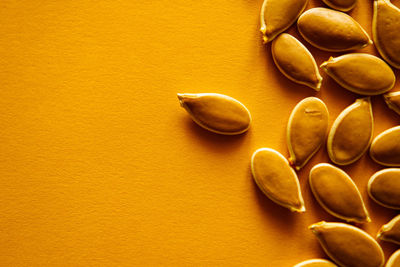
[347,245]
[217,113]
[332,30]
[341,5]
[295,61]
[361,73]
[315,263]
[393,101]
[276,179]
[391,231]
[278,15]
[386,31]
[385,149]
[351,133]
[336,192]
[384,188]
[306,130]
[394,260]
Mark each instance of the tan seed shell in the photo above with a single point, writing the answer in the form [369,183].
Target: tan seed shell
[276,179]
[394,260]
[361,73]
[386,31]
[351,133]
[217,113]
[385,149]
[336,192]
[332,30]
[295,61]
[306,130]
[384,188]
[347,245]
[315,263]
[393,101]
[278,15]
[341,5]
[390,232]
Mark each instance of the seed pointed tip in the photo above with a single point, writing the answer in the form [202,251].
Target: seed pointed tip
[314,227]
[181,98]
[302,209]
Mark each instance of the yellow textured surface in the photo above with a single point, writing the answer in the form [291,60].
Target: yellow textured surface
[100,166]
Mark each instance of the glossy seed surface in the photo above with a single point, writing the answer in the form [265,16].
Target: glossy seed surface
[336,192]
[361,73]
[278,15]
[341,5]
[294,60]
[347,245]
[385,31]
[332,30]
[384,187]
[276,179]
[392,99]
[306,130]
[394,260]
[217,113]
[351,133]
[385,148]
[316,263]
[390,232]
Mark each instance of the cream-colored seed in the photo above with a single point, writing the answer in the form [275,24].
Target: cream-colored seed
[385,149]
[347,245]
[386,31]
[332,30]
[336,192]
[390,232]
[278,15]
[384,188]
[316,263]
[306,130]
[361,73]
[351,133]
[295,61]
[217,113]
[341,5]
[393,101]
[276,179]
[394,260]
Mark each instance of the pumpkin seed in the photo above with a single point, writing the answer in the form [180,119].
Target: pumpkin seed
[393,101]
[336,192]
[391,231]
[295,61]
[360,73]
[306,130]
[278,15]
[217,113]
[384,188]
[385,149]
[332,30]
[385,31]
[347,245]
[276,179]
[351,133]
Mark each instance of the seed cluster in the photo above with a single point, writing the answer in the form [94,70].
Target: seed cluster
[349,137]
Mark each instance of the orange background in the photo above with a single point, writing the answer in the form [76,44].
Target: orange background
[101,167]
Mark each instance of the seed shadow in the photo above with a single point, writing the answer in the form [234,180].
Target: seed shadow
[215,142]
